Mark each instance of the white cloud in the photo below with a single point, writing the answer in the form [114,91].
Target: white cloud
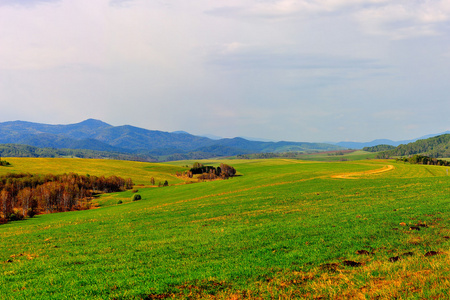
[397,19]
[22,3]
[290,8]
[405,19]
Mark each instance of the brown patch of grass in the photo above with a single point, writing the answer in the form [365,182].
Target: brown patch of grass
[417,240]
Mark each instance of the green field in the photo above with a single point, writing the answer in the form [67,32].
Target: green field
[140,172]
[283,229]
[355,155]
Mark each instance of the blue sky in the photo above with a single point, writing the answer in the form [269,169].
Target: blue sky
[325,70]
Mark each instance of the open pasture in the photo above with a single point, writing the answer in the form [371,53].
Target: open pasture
[284,229]
[338,156]
[139,172]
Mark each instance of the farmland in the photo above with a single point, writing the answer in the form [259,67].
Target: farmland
[284,229]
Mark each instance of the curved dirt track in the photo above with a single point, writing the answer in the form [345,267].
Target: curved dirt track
[354,175]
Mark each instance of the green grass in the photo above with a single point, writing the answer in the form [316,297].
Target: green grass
[265,234]
[355,155]
[140,172]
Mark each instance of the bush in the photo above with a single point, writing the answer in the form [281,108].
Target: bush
[4,163]
[31,213]
[119,202]
[15,217]
[136,197]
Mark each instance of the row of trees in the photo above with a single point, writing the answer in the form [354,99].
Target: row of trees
[424,160]
[379,148]
[25,195]
[17,150]
[290,154]
[224,171]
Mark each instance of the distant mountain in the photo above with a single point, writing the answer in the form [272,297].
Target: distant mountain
[99,136]
[74,136]
[432,135]
[211,136]
[256,139]
[358,145]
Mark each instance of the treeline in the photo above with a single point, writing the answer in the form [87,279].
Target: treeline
[379,148]
[424,160]
[436,147]
[17,150]
[291,154]
[25,195]
[224,171]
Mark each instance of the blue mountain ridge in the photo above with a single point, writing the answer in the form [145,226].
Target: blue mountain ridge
[94,134]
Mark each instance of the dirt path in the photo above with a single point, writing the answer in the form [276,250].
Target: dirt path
[344,176]
[354,175]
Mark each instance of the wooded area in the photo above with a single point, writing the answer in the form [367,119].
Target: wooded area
[436,147]
[25,195]
[224,171]
[424,160]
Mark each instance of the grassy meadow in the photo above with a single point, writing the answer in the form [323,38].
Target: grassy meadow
[140,172]
[283,229]
[326,156]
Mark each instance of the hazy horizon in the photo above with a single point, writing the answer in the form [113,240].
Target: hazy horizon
[327,70]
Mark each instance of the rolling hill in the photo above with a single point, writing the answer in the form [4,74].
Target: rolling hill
[284,229]
[437,147]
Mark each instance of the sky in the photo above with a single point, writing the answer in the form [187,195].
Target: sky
[305,71]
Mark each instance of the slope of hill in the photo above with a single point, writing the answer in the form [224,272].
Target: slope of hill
[284,230]
[18,150]
[96,135]
[437,147]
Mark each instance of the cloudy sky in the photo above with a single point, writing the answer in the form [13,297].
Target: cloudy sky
[299,70]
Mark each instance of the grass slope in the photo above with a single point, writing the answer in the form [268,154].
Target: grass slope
[140,172]
[282,230]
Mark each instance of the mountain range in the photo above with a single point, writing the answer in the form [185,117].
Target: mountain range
[96,135]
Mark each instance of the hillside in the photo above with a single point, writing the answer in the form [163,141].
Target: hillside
[436,147]
[99,136]
[284,229]
[18,150]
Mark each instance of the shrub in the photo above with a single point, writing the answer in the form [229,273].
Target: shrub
[119,202]
[31,212]
[15,217]
[136,197]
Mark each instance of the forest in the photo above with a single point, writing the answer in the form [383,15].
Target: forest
[25,195]
[436,147]
[378,148]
